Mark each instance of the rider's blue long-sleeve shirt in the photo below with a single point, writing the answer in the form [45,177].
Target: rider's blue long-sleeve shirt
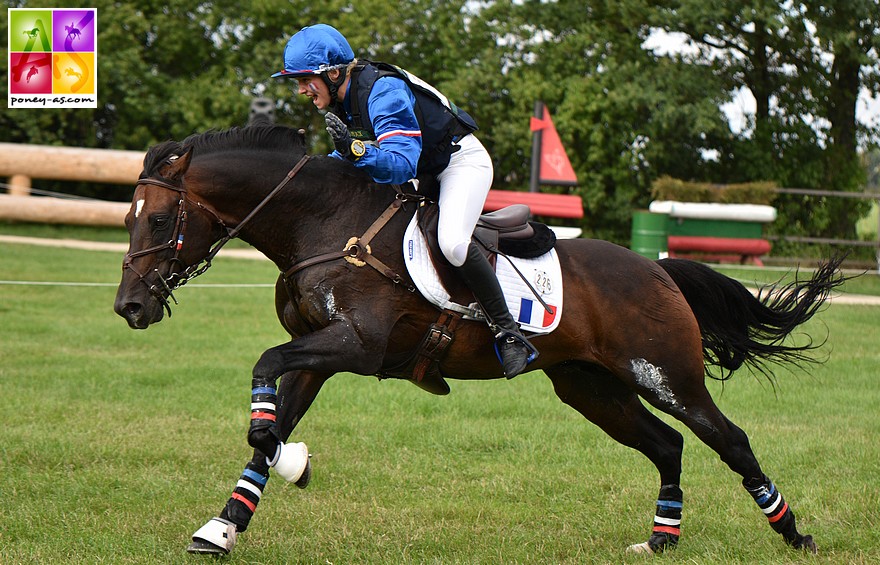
[395,158]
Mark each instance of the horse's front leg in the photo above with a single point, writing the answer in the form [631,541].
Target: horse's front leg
[306,363]
[297,391]
[336,348]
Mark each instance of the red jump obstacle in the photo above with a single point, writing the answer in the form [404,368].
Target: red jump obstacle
[541,204]
[740,250]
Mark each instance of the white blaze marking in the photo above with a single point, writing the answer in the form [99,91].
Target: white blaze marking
[651,377]
[139,205]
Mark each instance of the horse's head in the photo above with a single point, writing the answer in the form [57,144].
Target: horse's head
[161,217]
[183,205]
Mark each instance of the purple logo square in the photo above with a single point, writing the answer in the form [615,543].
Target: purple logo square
[73,30]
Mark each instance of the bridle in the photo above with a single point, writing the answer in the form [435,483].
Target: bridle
[171,282]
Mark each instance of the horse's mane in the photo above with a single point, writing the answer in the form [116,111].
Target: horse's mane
[275,137]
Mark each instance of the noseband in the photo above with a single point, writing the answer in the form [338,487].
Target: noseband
[173,281]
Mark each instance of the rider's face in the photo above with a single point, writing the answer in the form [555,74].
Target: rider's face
[316,89]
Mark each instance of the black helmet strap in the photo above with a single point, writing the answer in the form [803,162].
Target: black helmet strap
[333,86]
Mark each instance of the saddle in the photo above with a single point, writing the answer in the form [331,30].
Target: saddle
[506,231]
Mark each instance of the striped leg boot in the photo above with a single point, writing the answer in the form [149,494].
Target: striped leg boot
[778,513]
[667,522]
[219,535]
[247,493]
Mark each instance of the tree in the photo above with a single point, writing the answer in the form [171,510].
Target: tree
[626,114]
[847,30]
[805,64]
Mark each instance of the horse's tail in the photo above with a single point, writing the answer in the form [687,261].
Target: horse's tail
[739,328]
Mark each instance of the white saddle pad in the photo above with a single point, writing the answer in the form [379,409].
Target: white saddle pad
[543,273]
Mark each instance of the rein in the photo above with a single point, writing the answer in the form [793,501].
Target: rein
[176,280]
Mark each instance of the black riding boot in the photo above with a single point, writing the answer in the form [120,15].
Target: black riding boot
[512,347]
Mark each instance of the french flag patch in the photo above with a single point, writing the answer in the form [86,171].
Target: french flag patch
[532,313]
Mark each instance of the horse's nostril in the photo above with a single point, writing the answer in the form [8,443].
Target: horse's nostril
[133,314]
[131,309]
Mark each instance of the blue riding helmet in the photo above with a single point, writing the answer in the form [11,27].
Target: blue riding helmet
[314,50]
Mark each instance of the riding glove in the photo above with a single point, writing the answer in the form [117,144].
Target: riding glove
[348,148]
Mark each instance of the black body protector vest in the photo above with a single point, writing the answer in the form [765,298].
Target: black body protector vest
[442,122]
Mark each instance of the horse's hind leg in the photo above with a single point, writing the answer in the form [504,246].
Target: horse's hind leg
[294,396]
[693,406]
[611,405]
[732,444]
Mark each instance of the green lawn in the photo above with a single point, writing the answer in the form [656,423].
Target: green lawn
[115,445]
[867,226]
[860,281]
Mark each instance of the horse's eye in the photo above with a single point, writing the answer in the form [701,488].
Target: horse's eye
[159,222]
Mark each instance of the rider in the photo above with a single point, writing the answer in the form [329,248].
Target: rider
[410,128]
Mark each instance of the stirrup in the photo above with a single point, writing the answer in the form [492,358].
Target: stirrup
[507,335]
[516,336]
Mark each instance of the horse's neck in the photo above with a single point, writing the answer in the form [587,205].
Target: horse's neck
[316,212]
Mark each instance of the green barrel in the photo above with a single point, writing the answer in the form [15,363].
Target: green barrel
[715,228]
[649,233]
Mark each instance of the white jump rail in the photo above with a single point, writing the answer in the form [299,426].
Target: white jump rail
[715,211]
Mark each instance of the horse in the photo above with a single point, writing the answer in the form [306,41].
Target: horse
[72,31]
[633,328]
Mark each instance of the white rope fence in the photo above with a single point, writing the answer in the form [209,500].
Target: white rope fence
[115,284]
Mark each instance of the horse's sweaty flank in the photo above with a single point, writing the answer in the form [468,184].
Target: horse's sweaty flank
[651,377]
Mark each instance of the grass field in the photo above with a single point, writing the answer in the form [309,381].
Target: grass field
[116,445]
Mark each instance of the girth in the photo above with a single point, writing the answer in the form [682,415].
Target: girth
[422,368]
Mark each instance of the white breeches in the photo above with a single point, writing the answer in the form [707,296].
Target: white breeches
[464,185]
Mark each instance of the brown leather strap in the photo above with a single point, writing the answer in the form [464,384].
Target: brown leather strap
[358,249]
[160,183]
[381,221]
[433,347]
[233,233]
[316,260]
[386,270]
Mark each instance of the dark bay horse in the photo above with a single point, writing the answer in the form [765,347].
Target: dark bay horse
[632,328]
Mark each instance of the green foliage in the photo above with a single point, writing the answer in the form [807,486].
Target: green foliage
[668,188]
[627,114]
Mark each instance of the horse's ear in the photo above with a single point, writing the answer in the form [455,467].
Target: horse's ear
[175,167]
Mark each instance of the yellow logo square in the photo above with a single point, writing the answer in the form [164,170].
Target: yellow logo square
[73,73]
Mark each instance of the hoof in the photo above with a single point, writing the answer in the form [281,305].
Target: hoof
[806,543]
[202,547]
[642,548]
[659,542]
[217,537]
[303,481]
[291,460]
